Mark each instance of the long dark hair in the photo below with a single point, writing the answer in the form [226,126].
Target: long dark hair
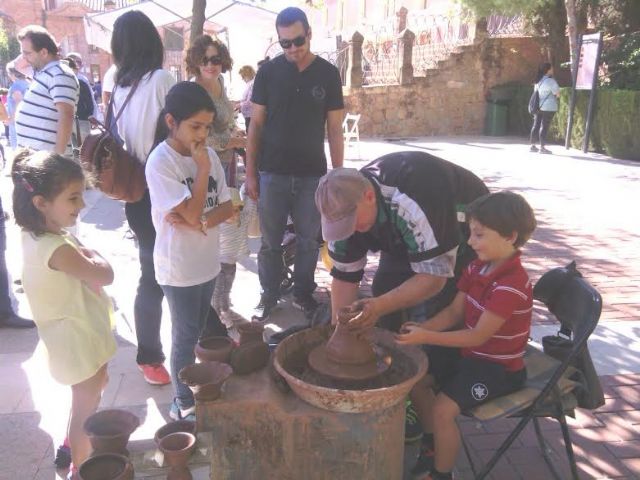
[136,47]
[39,173]
[183,101]
[543,69]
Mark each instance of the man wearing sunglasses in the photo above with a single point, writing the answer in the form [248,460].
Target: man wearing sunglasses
[294,96]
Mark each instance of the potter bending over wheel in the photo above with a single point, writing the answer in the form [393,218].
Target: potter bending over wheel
[410,207]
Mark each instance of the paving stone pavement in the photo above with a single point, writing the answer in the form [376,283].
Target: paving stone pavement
[584,206]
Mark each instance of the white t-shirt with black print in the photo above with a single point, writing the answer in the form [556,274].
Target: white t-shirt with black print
[183,257]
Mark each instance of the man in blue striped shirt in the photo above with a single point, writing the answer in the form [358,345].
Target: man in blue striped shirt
[44,118]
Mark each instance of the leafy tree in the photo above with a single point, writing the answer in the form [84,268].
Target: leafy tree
[9,45]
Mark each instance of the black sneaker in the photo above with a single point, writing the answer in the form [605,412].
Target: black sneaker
[424,463]
[412,427]
[63,457]
[307,304]
[264,308]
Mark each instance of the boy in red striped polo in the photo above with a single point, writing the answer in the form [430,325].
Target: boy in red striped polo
[476,345]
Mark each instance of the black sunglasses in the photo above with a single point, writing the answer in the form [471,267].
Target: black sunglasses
[213,60]
[298,42]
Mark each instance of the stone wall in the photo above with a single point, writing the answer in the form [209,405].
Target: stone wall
[451,99]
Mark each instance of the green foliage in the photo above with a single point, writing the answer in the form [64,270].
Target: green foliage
[482,8]
[9,45]
[615,17]
[615,130]
[621,62]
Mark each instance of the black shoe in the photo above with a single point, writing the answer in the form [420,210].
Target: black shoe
[545,151]
[307,304]
[412,427]
[63,457]
[264,308]
[424,463]
[15,321]
[533,148]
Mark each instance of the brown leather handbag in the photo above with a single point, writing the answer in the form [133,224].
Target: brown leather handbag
[117,173]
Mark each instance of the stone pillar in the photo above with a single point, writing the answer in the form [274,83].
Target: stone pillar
[405,52]
[481,32]
[354,70]
[401,20]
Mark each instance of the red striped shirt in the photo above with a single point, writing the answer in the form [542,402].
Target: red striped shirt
[506,292]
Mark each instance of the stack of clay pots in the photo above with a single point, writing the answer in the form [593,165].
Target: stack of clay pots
[177,441]
[109,432]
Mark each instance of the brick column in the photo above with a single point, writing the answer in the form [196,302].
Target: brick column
[405,51]
[354,70]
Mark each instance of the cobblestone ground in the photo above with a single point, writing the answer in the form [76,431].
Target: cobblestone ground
[584,206]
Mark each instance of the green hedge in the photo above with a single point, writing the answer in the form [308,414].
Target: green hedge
[616,126]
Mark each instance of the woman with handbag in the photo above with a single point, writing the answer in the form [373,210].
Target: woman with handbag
[548,93]
[141,86]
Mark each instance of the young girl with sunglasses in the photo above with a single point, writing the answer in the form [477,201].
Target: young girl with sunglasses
[189,199]
[63,282]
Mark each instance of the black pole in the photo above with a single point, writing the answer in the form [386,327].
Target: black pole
[592,97]
[572,102]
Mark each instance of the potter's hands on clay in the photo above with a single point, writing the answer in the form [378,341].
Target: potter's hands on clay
[370,312]
[412,333]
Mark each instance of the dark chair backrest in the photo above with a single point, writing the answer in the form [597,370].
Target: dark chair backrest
[577,306]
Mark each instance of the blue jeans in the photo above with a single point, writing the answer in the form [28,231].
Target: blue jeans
[6,309]
[281,196]
[189,307]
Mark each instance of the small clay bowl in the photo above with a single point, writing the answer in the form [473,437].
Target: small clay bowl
[214,349]
[173,427]
[250,332]
[177,448]
[205,379]
[106,466]
[109,430]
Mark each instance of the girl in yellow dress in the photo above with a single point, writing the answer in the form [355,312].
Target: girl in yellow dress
[63,282]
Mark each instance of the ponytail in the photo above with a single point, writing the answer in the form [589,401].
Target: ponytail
[162,130]
[543,69]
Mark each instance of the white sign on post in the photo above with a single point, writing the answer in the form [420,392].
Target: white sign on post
[588,61]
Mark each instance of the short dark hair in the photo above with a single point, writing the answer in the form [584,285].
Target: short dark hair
[291,15]
[197,52]
[505,212]
[40,38]
[136,47]
[39,173]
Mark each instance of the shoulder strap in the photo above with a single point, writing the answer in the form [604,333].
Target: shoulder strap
[126,100]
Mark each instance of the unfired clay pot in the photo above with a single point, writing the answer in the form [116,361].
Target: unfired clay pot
[173,427]
[250,332]
[106,466]
[249,357]
[205,379]
[109,430]
[346,355]
[177,448]
[214,349]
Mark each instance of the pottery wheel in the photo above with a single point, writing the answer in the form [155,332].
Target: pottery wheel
[321,363]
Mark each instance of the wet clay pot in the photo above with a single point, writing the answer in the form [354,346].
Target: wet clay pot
[250,332]
[205,379]
[106,466]
[214,349]
[109,430]
[173,427]
[249,357]
[345,355]
[177,448]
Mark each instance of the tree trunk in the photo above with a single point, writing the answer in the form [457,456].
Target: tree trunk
[197,19]
[572,27]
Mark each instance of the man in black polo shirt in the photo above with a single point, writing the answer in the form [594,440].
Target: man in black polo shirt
[294,95]
[409,206]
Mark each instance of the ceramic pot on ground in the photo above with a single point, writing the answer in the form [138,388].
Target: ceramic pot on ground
[109,430]
[205,379]
[106,466]
[250,332]
[173,427]
[214,349]
[177,448]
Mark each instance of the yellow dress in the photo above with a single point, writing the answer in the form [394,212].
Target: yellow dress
[74,322]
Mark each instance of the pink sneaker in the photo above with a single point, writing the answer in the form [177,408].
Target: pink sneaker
[155,374]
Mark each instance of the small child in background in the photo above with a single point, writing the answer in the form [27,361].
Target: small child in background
[63,283]
[478,341]
[189,199]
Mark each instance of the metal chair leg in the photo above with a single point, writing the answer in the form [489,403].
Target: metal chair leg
[544,448]
[568,445]
[503,448]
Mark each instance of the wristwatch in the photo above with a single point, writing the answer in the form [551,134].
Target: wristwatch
[203,224]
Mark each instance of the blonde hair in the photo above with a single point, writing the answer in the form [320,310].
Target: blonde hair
[247,71]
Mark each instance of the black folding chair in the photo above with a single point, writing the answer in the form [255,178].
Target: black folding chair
[558,380]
